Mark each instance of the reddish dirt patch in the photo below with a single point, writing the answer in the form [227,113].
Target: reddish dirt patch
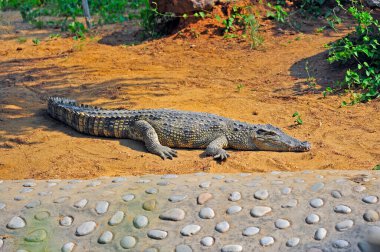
[197,74]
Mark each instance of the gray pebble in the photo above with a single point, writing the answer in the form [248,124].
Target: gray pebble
[26,190]
[61,199]
[286,190]
[342,209]
[118,180]
[317,186]
[234,209]
[371,216]
[231,180]
[169,176]
[207,241]
[259,211]
[232,248]
[190,230]
[218,177]
[51,184]
[16,222]
[86,228]
[204,197]
[206,213]
[175,214]
[157,234]
[33,204]
[29,184]
[19,198]
[140,221]
[117,218]
[312,219]
[316,203]
[340,244]
[106,237]
[128,242]
[68,247]
[282,224]
[320,234]
[151,190]
[1,243]
[81,203]
[183,248]
[128,197]
[261,194]
[45,193]
[163,183]
[205,184]
[2,205]
[143,181]
[234,196]
[42,215]
[277,182]
[344,225]
[102,207]
[292,242]
[370,199]
[359,188]
[66,221]
[290,204]
[222,227]
[94,183]
[249,231]
[336,194]
[266,241]
[177,198]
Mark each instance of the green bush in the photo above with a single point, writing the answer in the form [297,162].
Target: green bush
[15,4]
[361,49]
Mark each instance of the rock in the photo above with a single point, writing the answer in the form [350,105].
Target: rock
[344,225]
[249,231]
[261,194]
[42,215]
[150,205]
[336,194]
[342,209]
[292,242]
[370,199]
[102,207]
[117,218]
[320,234]
[341,244]
[316,203]
[234,196]
[266,241]
[177,198]
[106,237]
[371,216]
[140,221]
[175,214]
[128,197]
[16,222]
[206,213]
[36,236]
[207,241]
[86,228]
[282,224]
[204,197]
[81,203]
[222,227]
[259,211]
[183,248]
[68,247]
[128,242]
[312,219]
[234,209]
[190,230]
[180,7]
[232,248]
[157,234]
[66,221]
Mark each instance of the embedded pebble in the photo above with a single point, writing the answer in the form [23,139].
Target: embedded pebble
[150,205]
[81,203]
[234,209]
[151,190]
[42,215]
[374,235]
[61,199]
[344,225]
[312,219]
[286,190]
[261,194]
[249,231]
[118,180]
[169,176]
[140,221]
[282,223]
[204,197]
[342,209]
[106,237]
[19,198]
[68,247]
[157,234]
[36,236]
[94,183]
[33,204]
[102,207]
[1,243]
[177,198]
[66,221]
[175,214]
[371,216]
[320,234]
[259,211]
[128,242]
[277,182]
[207,241]
[183,248]
[51,184]
[117,218]
[45,193]
[29,184]
[336,194]
[370,199]
[206,213]
[2,205]
[232,248]
[86,228]
[26,190]
[231,180]
[163,183]
[143,181]
[16,222]
[359,188]
[290,204]
[266,241]
[190,230]
[128,197]
[205,184]
[317,186]
[218,177]
[316,203]
[234,196]
[292,242]
[222,227]
[341,244]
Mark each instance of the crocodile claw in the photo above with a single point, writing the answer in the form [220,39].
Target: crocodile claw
[221,155]
[166,152]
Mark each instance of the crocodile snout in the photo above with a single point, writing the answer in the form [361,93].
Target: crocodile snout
[304,146]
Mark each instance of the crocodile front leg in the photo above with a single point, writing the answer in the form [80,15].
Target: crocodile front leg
[215,148]
[151,141]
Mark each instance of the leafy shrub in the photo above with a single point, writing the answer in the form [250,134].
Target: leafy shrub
[362,49]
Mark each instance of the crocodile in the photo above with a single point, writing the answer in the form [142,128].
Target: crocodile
[164,129]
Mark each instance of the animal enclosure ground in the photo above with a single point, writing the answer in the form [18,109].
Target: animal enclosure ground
[202,72]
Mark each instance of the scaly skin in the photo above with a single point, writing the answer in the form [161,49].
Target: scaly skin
[161,129]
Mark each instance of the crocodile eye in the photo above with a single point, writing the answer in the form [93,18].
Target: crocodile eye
[265,133]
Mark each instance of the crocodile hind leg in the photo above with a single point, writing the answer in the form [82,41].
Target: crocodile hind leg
[151,140]
[215,148]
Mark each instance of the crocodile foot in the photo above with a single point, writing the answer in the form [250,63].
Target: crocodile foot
[221,155]
[165,152]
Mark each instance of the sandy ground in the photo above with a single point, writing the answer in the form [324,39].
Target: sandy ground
[198,74]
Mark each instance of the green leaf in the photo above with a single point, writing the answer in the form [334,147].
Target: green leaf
[185,16]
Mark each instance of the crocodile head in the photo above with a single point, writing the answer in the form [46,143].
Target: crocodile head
[270,138]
